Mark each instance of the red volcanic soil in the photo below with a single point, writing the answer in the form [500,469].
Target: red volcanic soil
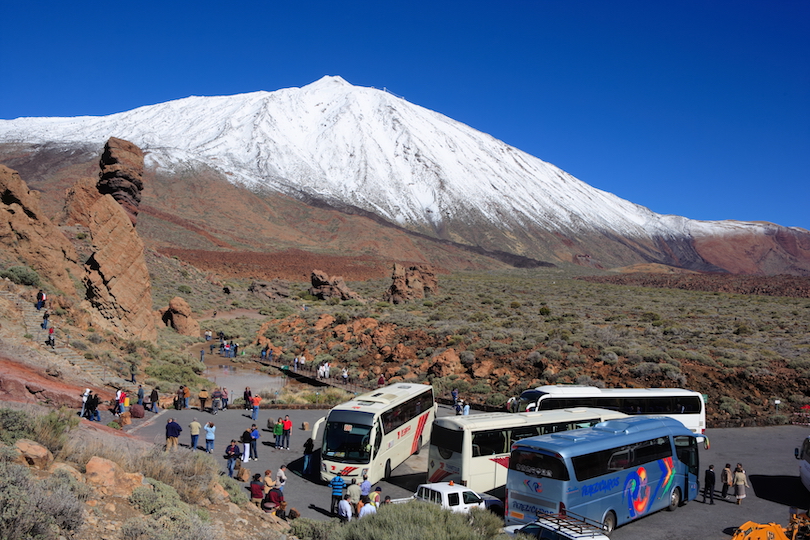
[781,285]
[291,264]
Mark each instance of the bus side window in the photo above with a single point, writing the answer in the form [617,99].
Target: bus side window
[619,461]
[686,449]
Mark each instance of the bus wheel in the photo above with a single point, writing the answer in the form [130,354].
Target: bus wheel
[418,446]
[609,523]
[388,469]
[674,499]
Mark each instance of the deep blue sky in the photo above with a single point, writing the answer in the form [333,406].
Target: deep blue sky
[695,108]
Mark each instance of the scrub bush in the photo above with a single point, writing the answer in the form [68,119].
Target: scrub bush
[21,275]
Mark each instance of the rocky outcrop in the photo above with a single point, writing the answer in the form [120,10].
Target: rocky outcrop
[33,454]
[324,286]
[276,289]
[178,316]
[410,283]
[108,478]
[122,175]
[27,235]
[117,278]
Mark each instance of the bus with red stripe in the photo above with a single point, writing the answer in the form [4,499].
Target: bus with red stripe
[474,450]
[375,432]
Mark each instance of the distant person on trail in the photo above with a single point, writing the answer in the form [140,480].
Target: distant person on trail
[224,398]
[247,395]
[154,397]
[41,298]
[256,401]
[454,395]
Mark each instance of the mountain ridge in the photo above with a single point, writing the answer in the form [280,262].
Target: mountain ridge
[353,147]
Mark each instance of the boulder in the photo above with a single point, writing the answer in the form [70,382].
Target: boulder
[447,363]
[324,287]
[34,454]
[178,316]
[109,479]
[410,283]
[121,175]
[276,289]
[136,411]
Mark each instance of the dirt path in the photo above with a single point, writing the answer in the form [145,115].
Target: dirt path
[232,314]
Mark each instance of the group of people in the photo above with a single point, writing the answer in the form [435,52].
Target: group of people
[252,403]
[728,478]
[281,431]
[210,435]
[90,403]
[461,407]
[358,500]
[250,438]
[268,494]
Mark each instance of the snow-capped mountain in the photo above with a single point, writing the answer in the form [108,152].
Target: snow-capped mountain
[361,147]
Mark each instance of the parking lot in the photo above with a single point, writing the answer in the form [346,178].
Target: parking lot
[765,452]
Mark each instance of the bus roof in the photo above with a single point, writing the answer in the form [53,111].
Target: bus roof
[382,398]
[503,419]
[600,436]
[573,389]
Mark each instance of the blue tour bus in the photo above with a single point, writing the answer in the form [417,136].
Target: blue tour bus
[612,473]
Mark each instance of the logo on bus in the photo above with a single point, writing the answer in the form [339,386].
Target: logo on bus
[533,485]
[603,485]
[637,491]
[402,432]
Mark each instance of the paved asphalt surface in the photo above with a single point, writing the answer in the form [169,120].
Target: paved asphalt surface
[765,452]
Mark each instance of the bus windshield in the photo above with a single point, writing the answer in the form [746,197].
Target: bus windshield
[348,439]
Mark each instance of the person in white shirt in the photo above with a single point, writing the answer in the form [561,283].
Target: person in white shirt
[345,509]
[367,509]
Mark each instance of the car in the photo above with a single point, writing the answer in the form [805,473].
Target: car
[454,497]
[559,527]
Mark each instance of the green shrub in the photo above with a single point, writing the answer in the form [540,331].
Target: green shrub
[15,425]
[21,275]
[310,529]
[185,289]
[149,499]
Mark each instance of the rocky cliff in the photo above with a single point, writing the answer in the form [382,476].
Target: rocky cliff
[27,235]
[122,175]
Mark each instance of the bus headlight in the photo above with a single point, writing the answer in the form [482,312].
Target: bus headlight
[365,472]
[323,467]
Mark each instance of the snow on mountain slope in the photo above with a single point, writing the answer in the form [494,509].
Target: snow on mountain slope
[366,148]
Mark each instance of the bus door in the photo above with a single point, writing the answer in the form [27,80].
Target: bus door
[686,449]
[378,437]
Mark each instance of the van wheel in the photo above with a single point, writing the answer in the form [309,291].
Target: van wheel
[388,469]
[674,499]
[609,523]
[418,446]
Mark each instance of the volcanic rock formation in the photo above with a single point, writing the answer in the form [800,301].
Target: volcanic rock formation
[28,235]
[178,316]
[324,286]
[413,282]
[276,289]
[122,175]
[117,278]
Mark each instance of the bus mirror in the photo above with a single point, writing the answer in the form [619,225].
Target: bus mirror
[796,452]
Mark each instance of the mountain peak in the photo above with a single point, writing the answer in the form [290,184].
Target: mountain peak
[329,80]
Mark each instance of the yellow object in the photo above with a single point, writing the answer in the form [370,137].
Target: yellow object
[797,529]
[126,402]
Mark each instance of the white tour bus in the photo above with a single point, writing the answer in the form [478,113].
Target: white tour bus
[474,450]
[376,431]
[685,406]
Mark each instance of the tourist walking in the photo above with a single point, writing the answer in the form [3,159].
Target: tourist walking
[186,396]
[725,477]
[740,483]
[247,394]
[210,434]
[278,432]
[708,484]
[232,453]
[173,430]
[254,442]
[281,477]
[286,430]
[337,484]
[256,401]
[154,397]
[85,397]
[216,400]
[203,395]
[194,430]
[246,440]
[309,448]
[141,394]
[224,398]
